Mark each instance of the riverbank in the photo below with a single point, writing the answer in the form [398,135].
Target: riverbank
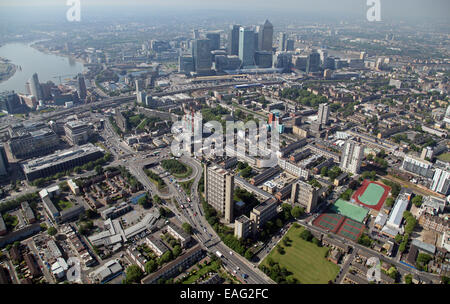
[7,69]
[35,45]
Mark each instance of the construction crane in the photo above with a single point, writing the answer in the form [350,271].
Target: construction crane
[59,77]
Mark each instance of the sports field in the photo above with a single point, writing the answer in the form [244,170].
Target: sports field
[349,210]
[340,225]
[305,260]
[371,194]
[329,221]
[351,230]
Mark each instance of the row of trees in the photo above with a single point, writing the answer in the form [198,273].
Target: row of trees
[409,227]
[242,247]
[15,203]
[395,188]
[154,178]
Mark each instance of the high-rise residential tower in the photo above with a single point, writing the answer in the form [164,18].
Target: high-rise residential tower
[305,195]
[324,111]
[352,156]
[219,189]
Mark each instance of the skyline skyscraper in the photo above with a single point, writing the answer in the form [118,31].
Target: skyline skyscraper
[233,40]
[201,53]
[289,45]
[81,87]
[35,87]
[265,36]
[313,62]
[195,34]
[282,42]
[247,46]
[215,40]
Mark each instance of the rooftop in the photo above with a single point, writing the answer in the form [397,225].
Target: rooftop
[60,156]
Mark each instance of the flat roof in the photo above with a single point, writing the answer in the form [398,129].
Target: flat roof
[400,206]
[59,157]
[265,205]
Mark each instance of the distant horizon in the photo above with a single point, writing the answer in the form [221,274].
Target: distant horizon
[433,10]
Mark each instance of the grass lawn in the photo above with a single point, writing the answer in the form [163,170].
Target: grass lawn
[176,168]
[305,260]
[214,266]
[444,157]
[185,174]
[62,205]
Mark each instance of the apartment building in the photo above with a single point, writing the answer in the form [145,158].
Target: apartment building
[219,186]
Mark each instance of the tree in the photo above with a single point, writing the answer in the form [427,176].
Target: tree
[393,272]
[166,257]
[280,249]
[417,200]
[297,212]
[150,266]
[306,235]
[402,247]
[389,202]
[90,214]
[145,201]
[398,238]
[157,199]
[364,240]
[176,250]
[248,254]
[162,211]
[133,274]
[279,223]
[423,258]
[247,172]
[316,241]
[52,231]
[187,228]
[408,279]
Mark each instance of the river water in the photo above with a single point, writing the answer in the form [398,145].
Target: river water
[47,66]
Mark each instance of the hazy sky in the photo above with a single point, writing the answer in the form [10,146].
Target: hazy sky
[390,9]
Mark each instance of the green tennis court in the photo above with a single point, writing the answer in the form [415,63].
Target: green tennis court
[349,210]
